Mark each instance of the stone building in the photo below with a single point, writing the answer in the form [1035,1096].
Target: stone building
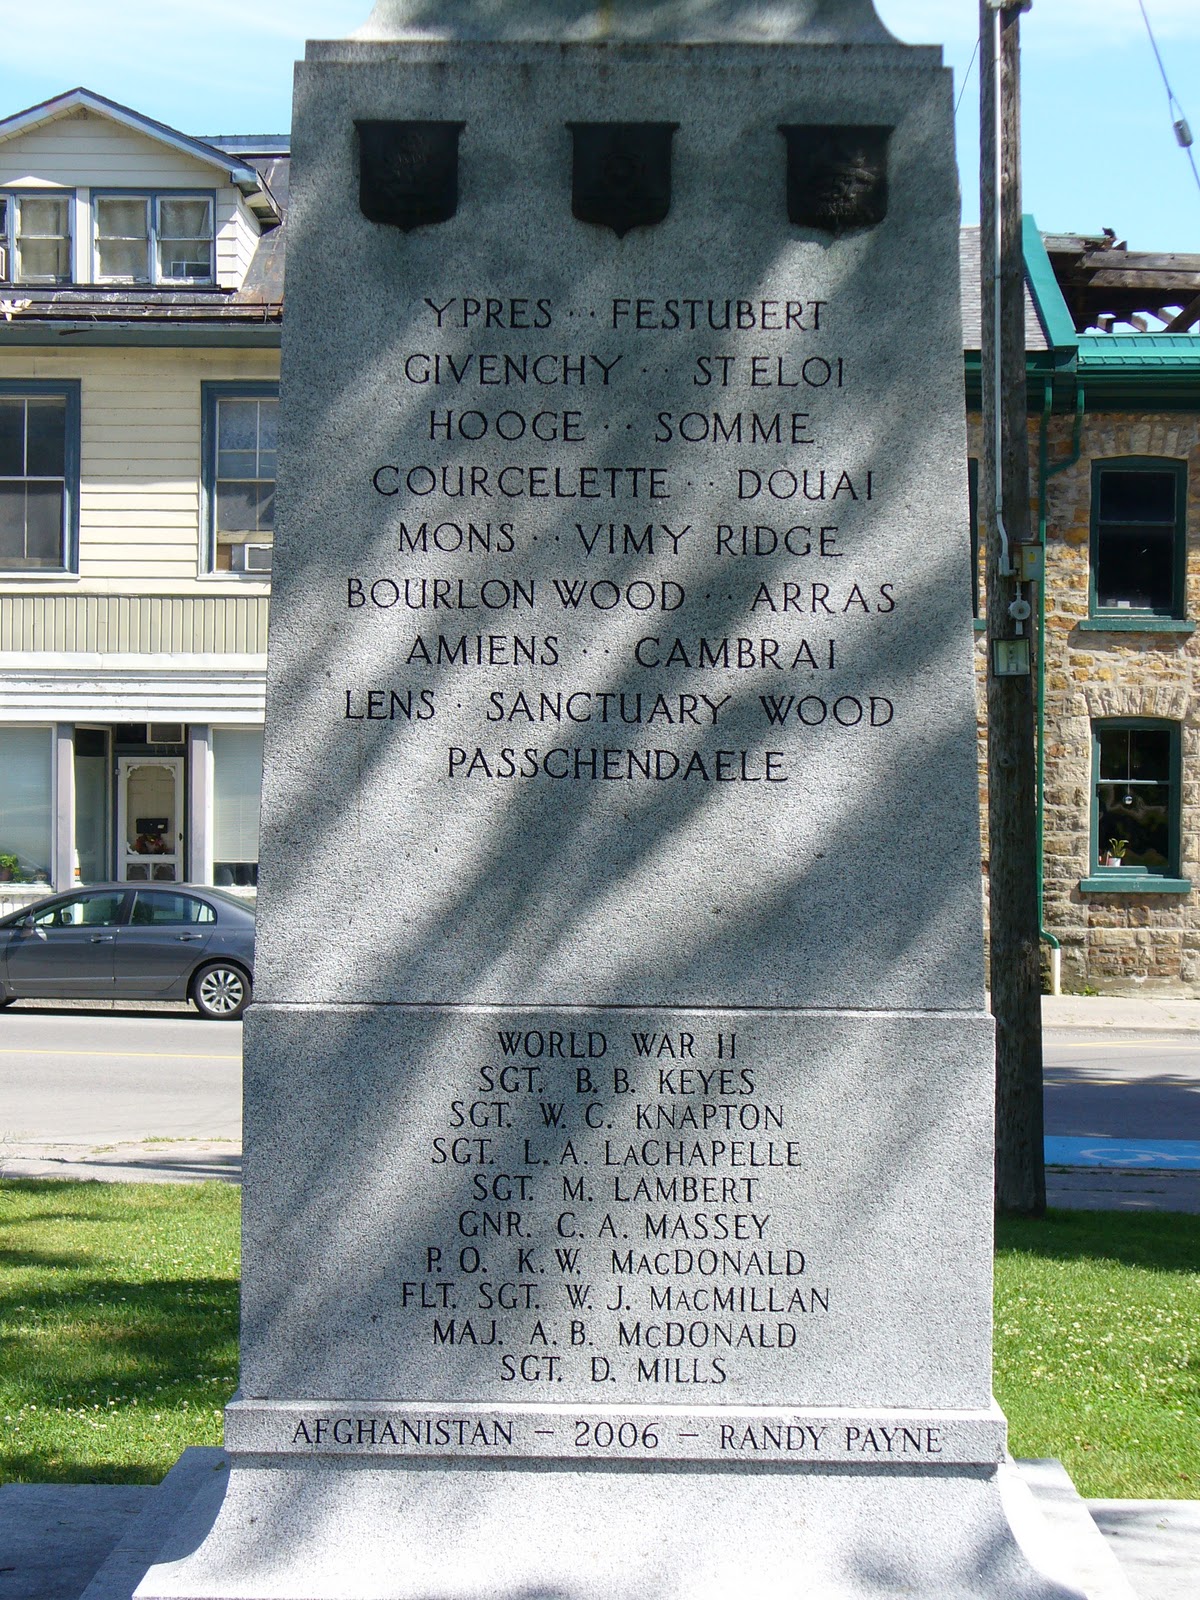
[1113,368]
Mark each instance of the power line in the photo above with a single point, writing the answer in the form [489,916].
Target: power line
[1183,133]
[966,77]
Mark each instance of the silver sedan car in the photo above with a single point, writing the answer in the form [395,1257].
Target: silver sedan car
[124,941]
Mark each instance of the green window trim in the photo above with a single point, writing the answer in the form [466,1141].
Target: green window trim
[973,506]
[1137,877]
[67,390]
[1108,882]
[1163,466]
[1110,623]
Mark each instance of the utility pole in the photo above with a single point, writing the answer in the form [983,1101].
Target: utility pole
[1012,793]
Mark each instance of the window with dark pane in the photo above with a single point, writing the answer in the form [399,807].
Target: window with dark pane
[244,482]
[155,907]
[973,508]
[33,486]
[1137,537]
[1136,796]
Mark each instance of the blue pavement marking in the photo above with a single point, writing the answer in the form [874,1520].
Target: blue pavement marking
[1182,1155]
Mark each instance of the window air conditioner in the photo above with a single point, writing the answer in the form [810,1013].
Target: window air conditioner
[250,557]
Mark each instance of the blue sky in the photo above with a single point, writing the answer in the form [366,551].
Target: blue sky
[1099,150]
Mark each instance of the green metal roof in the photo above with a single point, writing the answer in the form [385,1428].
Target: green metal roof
[1115,371]
[1158,352]
[1139,371]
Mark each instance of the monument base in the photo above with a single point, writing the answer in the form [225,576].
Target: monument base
[329,1529]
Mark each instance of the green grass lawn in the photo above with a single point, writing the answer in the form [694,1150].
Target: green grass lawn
[118,1326]
[118,1336]
[1097,1348]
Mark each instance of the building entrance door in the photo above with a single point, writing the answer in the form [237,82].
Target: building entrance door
[150,819]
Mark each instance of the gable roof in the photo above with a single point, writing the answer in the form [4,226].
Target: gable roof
[238,172]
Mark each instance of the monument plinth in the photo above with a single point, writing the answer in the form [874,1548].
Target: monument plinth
[618,1089]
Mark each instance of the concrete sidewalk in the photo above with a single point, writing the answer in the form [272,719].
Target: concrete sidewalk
[1121,1014]
[148,1161]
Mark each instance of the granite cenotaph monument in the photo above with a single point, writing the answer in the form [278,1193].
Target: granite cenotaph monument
[618,1132]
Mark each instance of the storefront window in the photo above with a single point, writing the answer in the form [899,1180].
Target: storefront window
[237,778]
[91,805]
[26,805]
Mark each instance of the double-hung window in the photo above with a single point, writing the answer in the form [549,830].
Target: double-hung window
[39,475]
[1139,510]
[35,238]
[240,428]
[1136,809]
[153,238]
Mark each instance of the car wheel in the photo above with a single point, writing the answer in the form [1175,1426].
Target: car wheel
[220,991]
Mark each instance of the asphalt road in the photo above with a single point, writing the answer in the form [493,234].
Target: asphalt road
[73,1076]
[1140,1087]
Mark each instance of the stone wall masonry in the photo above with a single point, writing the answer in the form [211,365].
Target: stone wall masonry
[1115,943]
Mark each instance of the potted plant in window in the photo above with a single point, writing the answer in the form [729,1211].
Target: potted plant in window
[8,868]
[1116,852]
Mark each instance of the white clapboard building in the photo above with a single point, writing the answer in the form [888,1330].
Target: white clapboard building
[140,304]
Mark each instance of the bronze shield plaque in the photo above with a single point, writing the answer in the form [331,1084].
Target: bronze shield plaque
[408,172]
[621,173]
[837,176]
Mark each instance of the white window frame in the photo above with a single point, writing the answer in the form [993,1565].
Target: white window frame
[8,235]
[210,851]
[154,199]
